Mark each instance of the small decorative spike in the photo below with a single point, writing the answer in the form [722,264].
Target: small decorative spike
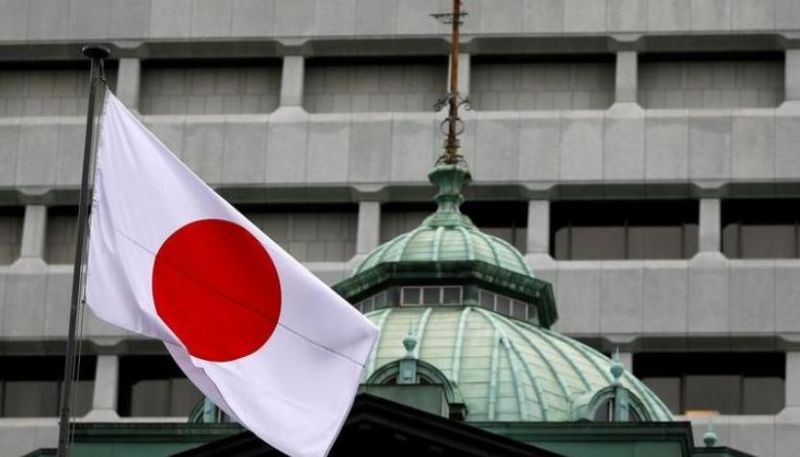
[710,438]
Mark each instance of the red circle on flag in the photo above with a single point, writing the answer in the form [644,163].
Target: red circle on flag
[217,289]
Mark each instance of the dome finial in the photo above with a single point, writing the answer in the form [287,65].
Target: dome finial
[710,438]
[449,179]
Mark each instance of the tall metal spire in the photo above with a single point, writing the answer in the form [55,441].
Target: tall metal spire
[453,123]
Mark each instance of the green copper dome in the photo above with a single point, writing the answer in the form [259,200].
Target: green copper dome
[447,250]
[461,309]
[448,235]
[506,369]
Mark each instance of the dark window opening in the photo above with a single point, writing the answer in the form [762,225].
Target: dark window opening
[369,84]
[715,383]
[209,86]
[61,235]
[11,221]
[753,229]
[154,386]
[600,230]
[30,386]
[605,412]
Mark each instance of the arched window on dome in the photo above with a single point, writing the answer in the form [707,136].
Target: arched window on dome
[411,371]
[608,411]
[613,403]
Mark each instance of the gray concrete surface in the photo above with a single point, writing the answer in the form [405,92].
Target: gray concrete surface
[291,128]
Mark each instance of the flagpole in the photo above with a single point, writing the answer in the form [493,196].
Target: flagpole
[96,53]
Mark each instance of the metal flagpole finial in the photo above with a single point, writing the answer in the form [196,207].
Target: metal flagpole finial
[95,51]
[453,126]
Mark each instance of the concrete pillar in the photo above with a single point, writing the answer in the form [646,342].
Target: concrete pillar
[538,241]
[793,379]
[792,74]
[34,230]
[626,77]
[106,384]
[369,226]
[129,81]
[292,81]
[710,226]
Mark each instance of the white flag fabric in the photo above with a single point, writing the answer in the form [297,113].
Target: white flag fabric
[255,331]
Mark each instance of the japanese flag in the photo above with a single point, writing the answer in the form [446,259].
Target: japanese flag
[254,330]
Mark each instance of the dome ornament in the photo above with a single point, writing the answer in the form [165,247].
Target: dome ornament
[407,369]
[410,342]
[710,438]
[616,368]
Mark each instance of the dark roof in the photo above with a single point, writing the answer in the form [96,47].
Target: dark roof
[377,426]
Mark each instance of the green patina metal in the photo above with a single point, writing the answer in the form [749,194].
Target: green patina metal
[515,367]
[468,349]
[506,369]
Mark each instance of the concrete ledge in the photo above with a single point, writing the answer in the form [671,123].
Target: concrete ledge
[622,300]
[82,20]
[535,149]
[34,302]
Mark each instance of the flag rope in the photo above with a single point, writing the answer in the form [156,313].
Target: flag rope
[65,425]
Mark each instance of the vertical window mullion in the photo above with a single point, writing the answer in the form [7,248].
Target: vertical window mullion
[626,241]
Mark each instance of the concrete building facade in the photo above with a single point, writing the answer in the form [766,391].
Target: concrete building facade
[644,154]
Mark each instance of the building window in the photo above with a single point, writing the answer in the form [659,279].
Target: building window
[604,230]
[61,235]
[51,89]
[431,295]
[235,87]
[513,83]
[711,81]
[154,386]
[506,220]
[374,85]
[11,220]
[505,305]
[313,233]
[715,383]
[753,229]
[30,386]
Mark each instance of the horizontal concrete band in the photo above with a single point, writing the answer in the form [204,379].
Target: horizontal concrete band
[624,144]
[50,20]
[705,296]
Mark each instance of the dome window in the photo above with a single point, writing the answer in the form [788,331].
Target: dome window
[431,295]
[505,305]
[372,303]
